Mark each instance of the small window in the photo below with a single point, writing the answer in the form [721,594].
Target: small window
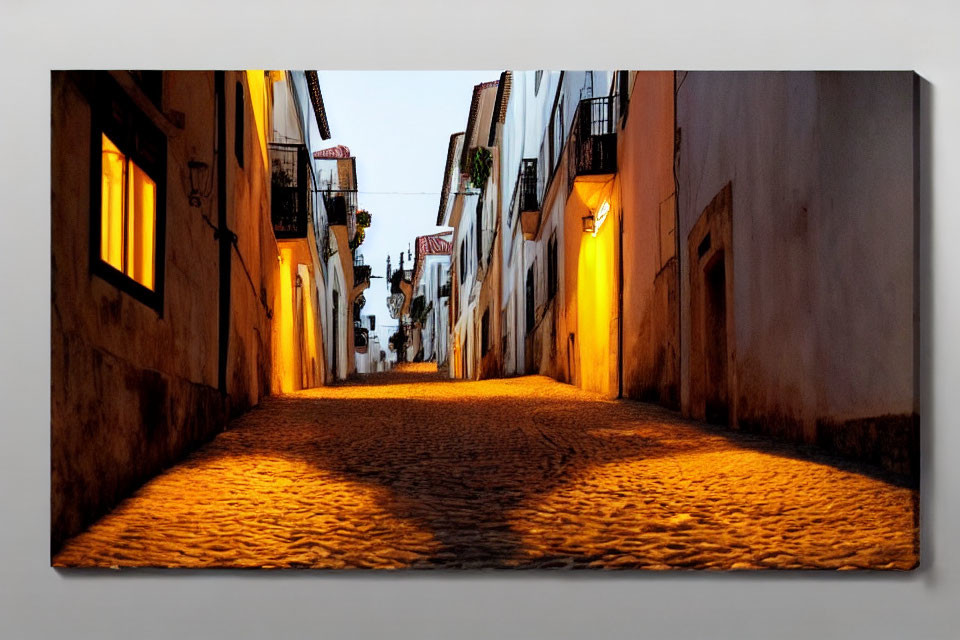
[238,125]
[553,280]
[128,216]
[128,183]
[558,132]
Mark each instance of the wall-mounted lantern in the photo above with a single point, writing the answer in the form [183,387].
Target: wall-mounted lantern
[588,223]
[593,222]
[198,182]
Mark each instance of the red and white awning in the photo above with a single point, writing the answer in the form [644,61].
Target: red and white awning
[332,153]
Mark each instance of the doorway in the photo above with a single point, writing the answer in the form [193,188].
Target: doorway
[712,362]
[715,341]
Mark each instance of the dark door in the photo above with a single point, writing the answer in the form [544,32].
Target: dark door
[715,341]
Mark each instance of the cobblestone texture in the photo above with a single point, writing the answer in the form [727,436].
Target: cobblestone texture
[411,470]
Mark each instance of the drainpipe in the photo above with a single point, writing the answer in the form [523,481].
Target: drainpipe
[224,235]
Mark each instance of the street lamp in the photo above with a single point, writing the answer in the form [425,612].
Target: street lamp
[592,223]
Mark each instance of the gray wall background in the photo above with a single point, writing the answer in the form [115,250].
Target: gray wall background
[38,602]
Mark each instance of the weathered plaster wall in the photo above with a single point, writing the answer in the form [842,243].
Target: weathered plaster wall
[821,171]
[254,267]
[651,358]
[132,389]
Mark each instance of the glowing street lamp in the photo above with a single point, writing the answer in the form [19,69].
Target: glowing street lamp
[592,223]
[588,224]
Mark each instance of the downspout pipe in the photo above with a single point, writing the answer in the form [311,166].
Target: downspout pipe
[224,235]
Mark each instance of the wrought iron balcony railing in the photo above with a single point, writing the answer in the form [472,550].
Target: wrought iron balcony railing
[341,207]
[594,137]
[290,180]
[361,339]
[361,274]
[529,186]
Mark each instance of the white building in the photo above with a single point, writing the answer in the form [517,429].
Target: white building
[431,283]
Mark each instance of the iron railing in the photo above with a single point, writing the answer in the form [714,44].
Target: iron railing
[341,207]
[529,186]
[361,339]
[361,274]
[594,137]
[289,204]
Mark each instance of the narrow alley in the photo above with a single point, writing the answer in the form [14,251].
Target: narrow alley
[409,469]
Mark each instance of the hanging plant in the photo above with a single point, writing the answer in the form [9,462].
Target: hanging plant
[480,164]
[358,238]
[363,218]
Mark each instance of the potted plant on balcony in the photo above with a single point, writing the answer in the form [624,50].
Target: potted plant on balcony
[481,162]
[363,218]
[358,238]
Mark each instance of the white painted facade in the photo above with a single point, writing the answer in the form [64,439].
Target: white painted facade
[823,256]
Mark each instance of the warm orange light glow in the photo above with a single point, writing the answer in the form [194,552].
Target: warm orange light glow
[309,327]
[596,308]
[287,354]
[600,216]
[358,476]
[128,215]
[141,224]
[258,103]
[113,165]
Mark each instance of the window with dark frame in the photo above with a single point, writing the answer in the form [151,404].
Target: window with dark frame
[128,193]
[553,280]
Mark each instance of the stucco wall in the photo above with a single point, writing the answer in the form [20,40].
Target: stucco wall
[821,172]
[651,358]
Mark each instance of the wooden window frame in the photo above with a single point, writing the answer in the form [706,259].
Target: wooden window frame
[115,115]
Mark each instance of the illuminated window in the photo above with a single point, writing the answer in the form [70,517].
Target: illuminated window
[128,216]
[129,156]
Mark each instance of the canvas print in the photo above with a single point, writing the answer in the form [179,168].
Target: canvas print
[521,319]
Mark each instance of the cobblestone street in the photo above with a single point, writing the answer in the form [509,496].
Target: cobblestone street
[408,469]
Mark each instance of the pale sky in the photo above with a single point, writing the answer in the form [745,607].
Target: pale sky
[397,124]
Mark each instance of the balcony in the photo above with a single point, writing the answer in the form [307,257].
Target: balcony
[361,274]
[341,207]
[528,192]
[289,210]
[594,138]
[529,186]
[361,339]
